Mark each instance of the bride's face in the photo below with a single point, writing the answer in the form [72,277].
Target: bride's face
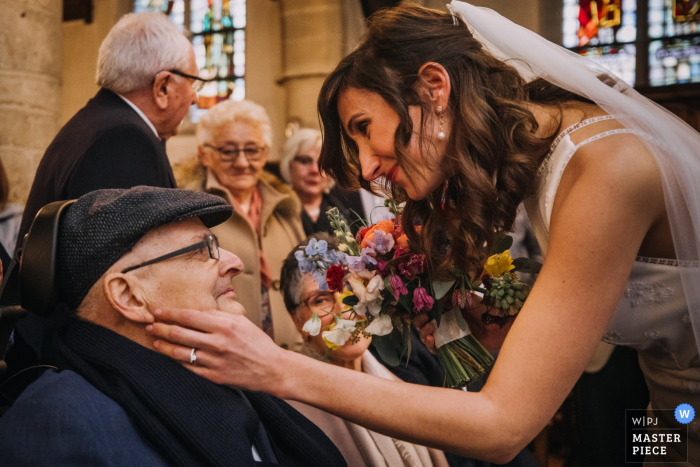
[371,123]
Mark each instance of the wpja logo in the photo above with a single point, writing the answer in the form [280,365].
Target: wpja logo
[660,435]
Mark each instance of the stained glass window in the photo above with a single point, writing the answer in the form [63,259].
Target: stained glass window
[605,32]
[674,42]
[217,29]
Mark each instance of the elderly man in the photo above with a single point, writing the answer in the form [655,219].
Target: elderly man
[234,141]
[148,75]
[122,255]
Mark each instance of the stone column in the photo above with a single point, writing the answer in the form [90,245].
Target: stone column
[312,36]
[30,87]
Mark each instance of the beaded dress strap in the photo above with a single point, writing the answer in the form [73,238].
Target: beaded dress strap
[569,130]
[608,133]
[582,124]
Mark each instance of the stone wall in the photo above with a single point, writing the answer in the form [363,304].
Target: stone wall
[30,87]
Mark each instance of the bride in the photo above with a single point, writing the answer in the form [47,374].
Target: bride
[466,116]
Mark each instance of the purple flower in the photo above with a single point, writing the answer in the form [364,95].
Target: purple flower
[382,243]
[398,286]
[460,299]
[421,300]
[382,268]
[360,263]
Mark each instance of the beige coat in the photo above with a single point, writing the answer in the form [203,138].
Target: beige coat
[281,231]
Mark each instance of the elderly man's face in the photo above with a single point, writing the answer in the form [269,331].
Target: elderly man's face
[182,98]
[234,170]
[193,280]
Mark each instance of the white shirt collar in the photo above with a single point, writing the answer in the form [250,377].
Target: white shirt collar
[141,114]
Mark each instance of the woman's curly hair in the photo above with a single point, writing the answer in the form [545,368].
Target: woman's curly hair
[491,141]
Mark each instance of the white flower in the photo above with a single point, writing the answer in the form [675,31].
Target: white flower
[380,326]
[374,288]
[313,325]
[374,307]
[341,332]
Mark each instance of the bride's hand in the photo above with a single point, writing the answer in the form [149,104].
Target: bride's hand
[426,329]
[230,349]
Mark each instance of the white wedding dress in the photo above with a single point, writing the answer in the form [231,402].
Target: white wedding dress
[652,316]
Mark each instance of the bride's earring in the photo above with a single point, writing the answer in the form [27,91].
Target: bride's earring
[441,134]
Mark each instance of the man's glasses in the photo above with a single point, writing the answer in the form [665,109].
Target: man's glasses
[211,243]
[230,153]
[197,83]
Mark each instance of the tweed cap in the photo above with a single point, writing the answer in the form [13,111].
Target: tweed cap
[104,225]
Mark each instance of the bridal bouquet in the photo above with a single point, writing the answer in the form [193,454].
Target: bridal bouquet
[385,284]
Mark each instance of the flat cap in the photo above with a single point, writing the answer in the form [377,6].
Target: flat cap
[104,225]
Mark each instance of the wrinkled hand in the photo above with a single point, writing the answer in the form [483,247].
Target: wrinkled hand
[230,349]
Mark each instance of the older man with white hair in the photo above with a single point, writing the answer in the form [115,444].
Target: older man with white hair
[148,77]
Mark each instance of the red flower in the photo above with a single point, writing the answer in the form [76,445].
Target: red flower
[413,266]
[334,278]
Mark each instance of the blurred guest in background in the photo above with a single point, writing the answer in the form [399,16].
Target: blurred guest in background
[10,214]
[234,140]
[147,73]
[360,447]
[299,167]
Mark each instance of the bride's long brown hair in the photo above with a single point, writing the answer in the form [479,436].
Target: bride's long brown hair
[491,141]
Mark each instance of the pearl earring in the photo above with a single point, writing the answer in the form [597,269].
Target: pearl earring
[441,134]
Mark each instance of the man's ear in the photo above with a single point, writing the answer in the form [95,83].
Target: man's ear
[160,90]
[124,295]
[437,83]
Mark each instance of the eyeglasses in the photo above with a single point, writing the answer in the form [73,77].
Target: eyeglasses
[304,160]
[210,242]
[197,83]
[323,301]
[230,153]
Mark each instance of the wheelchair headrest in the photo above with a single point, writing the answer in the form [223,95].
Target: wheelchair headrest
[37,271]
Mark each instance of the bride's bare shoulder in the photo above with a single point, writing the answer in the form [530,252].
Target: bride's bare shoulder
[619,164]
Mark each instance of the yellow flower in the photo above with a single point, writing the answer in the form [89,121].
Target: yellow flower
[341,297]
[498,264]
[330,344]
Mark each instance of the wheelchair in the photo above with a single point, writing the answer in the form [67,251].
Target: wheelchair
[29,286]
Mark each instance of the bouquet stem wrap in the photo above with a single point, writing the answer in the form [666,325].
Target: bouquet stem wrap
[461,354]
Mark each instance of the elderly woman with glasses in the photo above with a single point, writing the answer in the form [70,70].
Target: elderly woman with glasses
[234,140]
[299,168]
[360,447]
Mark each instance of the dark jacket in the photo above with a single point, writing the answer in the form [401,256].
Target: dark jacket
[62,420]
[105,145]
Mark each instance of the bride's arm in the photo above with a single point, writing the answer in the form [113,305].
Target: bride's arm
[603,210]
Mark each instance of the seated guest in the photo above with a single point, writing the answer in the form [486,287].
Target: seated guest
[299,167]
[148,78]
[121,256]
[234,141]
[360,447]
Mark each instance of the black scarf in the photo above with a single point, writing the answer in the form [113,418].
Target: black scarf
[189,420]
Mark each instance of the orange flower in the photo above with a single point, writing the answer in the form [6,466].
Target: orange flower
[385,226]
[402,242]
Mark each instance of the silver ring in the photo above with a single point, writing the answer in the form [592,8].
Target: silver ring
[193,357]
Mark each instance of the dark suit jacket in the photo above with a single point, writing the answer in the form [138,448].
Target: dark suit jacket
[105,145]
[62,420]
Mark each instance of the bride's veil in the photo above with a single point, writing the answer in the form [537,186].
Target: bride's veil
[674,144]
